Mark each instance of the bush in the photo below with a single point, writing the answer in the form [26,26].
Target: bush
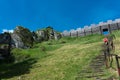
[42,48]
[50,43]
[19,56]
[62,42]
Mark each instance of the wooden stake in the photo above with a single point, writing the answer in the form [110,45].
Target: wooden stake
[118,66]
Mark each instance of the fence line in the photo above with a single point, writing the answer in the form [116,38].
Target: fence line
[93,30]
[109,59]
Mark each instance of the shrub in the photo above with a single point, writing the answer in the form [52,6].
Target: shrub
[19,55]
[62,42]
[49,43]
[42,48]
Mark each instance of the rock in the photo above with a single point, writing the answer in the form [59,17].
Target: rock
[17,41]
[22,37]
[48,34]
[40,35]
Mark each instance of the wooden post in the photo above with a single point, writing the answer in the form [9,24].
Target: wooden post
[91,31]
[109,28]
[118,26]
[100,30]
[118,66]
[106,61]
[84,32]
[77,33]
[70,34]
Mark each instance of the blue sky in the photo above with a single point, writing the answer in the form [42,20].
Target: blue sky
[60,14]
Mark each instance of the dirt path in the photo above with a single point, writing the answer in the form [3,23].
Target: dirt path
[94,71]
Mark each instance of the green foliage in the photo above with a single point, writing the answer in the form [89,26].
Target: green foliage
[43,48]
[49,45]
[116,33]
[19,56]
[62,42]
[83,40]
[49,28]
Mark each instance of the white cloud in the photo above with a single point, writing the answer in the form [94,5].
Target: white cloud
[6,30]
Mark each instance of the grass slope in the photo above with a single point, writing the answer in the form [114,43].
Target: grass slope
[53,60]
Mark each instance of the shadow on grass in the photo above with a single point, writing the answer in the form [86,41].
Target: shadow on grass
[16,69]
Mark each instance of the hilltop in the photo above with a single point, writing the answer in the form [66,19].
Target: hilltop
[60,59]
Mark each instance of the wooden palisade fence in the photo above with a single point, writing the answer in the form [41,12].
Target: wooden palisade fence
[93,29]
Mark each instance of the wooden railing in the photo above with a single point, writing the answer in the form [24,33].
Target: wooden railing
[109,59]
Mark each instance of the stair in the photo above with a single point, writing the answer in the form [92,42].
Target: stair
[94,70]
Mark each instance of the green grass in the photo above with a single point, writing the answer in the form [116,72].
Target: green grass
[53,60]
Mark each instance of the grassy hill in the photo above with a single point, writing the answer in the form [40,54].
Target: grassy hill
[57,60]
